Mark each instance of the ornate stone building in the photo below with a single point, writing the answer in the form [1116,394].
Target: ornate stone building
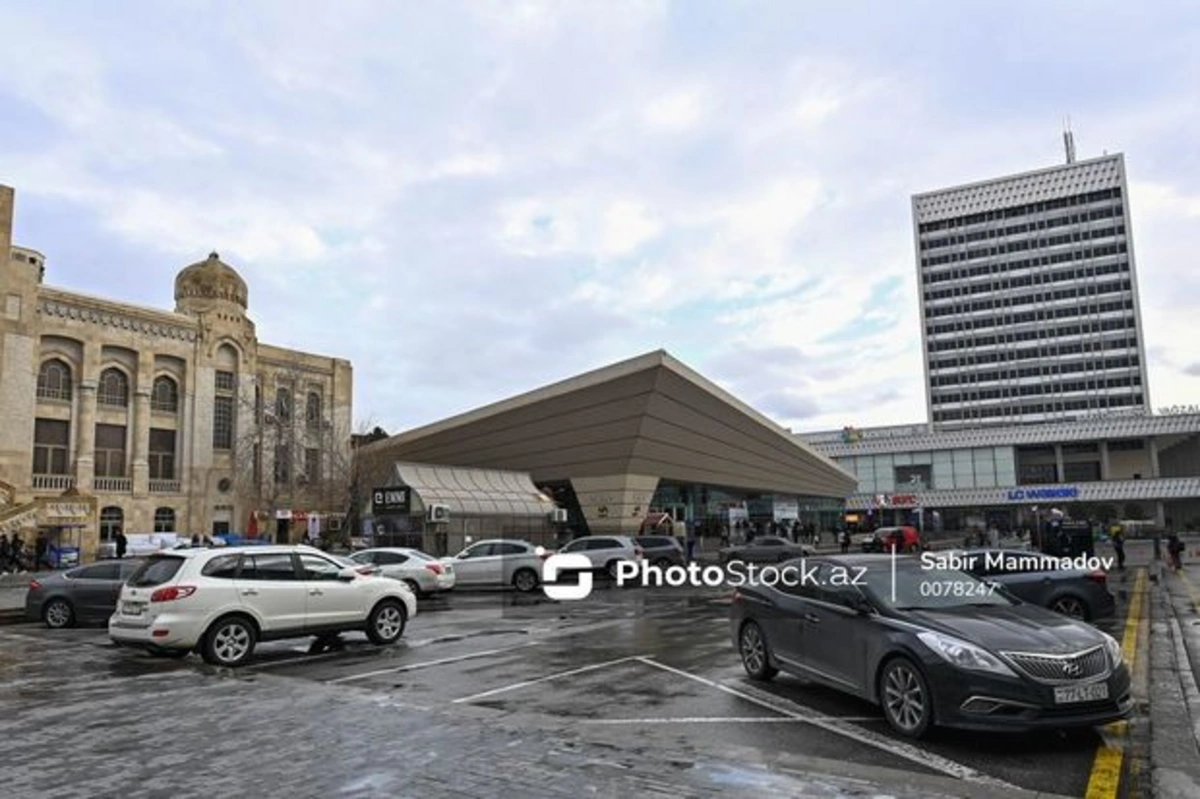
[158,421]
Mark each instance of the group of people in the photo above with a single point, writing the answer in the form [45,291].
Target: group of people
[15,555]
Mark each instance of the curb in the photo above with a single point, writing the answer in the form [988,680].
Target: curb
[1174,747]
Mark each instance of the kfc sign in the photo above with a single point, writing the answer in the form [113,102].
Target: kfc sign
[903,500]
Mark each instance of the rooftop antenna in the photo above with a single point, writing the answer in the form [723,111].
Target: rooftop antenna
[1069,140]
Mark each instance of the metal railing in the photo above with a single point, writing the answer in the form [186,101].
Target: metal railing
[164,486]
[114,485]
[53,482]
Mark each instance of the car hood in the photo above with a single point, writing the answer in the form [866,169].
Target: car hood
[1015,628]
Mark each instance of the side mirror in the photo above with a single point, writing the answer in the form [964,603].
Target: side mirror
[347,573]
[862,606]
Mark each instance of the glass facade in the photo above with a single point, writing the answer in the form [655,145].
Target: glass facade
[978,467]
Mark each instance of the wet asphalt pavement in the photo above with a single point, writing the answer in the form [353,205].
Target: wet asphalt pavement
[629,691]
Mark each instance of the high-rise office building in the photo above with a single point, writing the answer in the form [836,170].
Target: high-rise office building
[1029,297]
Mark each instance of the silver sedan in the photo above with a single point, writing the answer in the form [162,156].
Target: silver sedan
[423,573]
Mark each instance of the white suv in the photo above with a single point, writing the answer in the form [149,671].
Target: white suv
[605,551]
[223,601]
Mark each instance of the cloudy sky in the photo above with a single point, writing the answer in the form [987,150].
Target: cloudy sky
[470,201]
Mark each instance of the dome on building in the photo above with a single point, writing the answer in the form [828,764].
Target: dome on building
[211,279]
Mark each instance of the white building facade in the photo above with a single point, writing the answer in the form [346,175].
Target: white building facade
[1029,304]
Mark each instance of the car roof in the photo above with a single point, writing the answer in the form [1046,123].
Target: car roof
[262,549]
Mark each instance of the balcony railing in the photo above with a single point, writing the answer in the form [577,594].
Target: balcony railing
[113,485]
[164,486]
[53,482]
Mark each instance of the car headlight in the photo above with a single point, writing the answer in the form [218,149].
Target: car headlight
[966,656]
[1115,656]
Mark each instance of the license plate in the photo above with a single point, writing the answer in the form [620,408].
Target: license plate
[133,608]
[1093,692]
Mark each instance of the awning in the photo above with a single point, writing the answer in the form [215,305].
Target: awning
[474,491]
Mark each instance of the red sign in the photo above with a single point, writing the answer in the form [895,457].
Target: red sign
[903,500]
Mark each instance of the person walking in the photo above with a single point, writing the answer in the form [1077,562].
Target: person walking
[1175,551]
[5,553]
[17,555]
[40,547]
[122,543]
[1118,545]
[844,537]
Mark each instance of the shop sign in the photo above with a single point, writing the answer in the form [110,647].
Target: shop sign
[1053,492]
[902,500]
[395,500]
[283,515]
[71,511]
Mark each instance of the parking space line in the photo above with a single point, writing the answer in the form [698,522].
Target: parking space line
[1105,779]
[426,663]
[547,678]
[838,727]
[721,720]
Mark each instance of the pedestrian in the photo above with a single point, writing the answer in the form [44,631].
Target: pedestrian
[122,543]
[845,540]
[195,540]
[1118,545]
[5,553]
[17,554]
[40,547]
[1175,550]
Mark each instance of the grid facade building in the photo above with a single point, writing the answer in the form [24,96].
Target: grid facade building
[1029,301]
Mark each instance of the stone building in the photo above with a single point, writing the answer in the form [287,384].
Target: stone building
[158,421]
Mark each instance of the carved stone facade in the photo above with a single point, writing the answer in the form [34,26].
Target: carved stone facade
[159,416]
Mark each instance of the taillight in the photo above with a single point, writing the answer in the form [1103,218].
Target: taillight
[436,568]
[736,597]
[637,552]
[546,553]
[172,593]
[1097,576]
[34,585]
[368,569]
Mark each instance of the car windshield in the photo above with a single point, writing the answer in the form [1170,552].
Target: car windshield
[917,588]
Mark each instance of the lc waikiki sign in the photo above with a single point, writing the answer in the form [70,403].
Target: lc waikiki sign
[1053,492]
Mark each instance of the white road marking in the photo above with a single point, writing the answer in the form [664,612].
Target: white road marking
[723,720]
[426,663]
[547,678]
[838,727]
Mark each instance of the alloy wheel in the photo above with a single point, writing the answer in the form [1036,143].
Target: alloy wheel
[389,622]
[1070,606]
[525,581]
[58,614]
[231,642]
[754,653]
[904,698]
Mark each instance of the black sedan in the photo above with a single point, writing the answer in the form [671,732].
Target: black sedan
[764,549]
[932,646]
[85,594]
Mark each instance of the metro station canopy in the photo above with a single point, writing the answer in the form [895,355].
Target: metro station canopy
[614,433]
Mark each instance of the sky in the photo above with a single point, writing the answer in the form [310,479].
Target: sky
[472,200]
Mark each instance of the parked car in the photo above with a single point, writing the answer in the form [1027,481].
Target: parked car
[906,539]
[361,568]
[222,602]
[1036,578]
[936,646]
[605,551]
[83,595]
[423,574]
[763,549]
[498,562]
[661,550]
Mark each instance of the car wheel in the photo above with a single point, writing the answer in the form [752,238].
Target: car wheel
[752,646]
[229,641]
[525,580]
[58,613]
[611,568]
[1071,606]
[414,587]
[385,625]
[904,694]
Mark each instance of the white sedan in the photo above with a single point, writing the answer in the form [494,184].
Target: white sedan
[499,562]
[422,573]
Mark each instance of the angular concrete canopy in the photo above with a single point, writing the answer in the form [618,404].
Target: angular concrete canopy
[647,416]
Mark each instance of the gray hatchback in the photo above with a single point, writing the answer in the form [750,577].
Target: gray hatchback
[1037,579]
[85,594]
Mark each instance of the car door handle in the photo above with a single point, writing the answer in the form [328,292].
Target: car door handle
[812,617]
[316,592]
[249,592]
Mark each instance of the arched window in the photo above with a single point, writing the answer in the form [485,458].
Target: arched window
[283,404]
[113,388]
[54,380]
[312,411]
[164,520]
[112,519]
[165,396]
